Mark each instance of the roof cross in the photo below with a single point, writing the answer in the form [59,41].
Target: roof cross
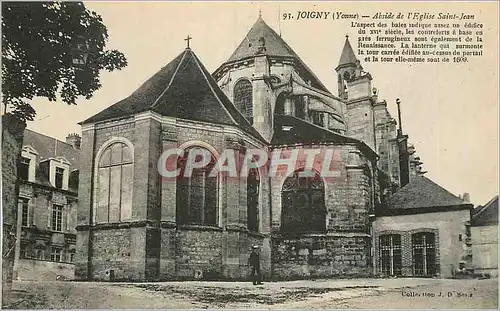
[187,39]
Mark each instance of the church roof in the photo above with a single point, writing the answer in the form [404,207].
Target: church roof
[300,131]
[275,47]
[422,192]
[486,215]
[347,56]
[182,89]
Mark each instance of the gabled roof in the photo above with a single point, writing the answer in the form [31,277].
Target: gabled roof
[275,47]
[486,215]
[182,89]
[422,192]
[46,148]
[347,56]
[300,131]
[50,148]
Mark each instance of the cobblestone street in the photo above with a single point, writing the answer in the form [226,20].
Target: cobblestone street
[320,294]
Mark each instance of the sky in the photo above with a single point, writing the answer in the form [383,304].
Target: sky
[449,111]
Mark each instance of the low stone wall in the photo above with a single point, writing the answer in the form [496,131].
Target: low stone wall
[41,270]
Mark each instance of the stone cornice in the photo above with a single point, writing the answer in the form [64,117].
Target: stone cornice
[116,225]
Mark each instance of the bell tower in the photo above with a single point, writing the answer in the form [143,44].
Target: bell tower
[356,89]
[348,69]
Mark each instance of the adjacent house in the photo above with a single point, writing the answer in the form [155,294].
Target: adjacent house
[48,196]
[484,234]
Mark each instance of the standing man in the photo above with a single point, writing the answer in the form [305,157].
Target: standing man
[254,262]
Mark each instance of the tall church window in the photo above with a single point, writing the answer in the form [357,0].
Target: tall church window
[300,107]
[280,105]
[424,254]
[303,204]
[317,118]
[197,192]
[243,101]
[390,254]
[253,200]
[114,184]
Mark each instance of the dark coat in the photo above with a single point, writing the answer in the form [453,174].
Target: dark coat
[254,259]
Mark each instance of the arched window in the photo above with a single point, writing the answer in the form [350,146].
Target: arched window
[197,192]
[300,106]
[253,200]
[280,105]
[424,254]
[303,204]
[275,80]
[114,184]
[243,98]
[390,254]
[347,76]
[317,117]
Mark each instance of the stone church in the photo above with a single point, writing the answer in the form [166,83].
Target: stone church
[134,225]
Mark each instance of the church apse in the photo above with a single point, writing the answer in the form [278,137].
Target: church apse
[321,226]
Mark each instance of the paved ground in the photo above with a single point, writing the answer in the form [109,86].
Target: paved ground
[322,294]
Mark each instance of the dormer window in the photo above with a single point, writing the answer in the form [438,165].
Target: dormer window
[27,164]
[59,177]
[58,171]
[23,169]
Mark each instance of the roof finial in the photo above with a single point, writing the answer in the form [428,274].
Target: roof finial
[260,13]
[400,130]
[347,36]
[187,39]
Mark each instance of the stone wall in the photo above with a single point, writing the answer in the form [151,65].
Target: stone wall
[321,256]
[199,254]
[112,251]
[12,138]
[484,241]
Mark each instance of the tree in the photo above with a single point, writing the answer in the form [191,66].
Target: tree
[52,49]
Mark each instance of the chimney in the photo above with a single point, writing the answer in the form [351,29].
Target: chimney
[466,197]
[74,140]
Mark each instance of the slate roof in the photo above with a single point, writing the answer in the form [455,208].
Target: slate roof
[422,192]
[182,89]
[348,56]
[486,215]
[275,47]
[49,147]
[305,132]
